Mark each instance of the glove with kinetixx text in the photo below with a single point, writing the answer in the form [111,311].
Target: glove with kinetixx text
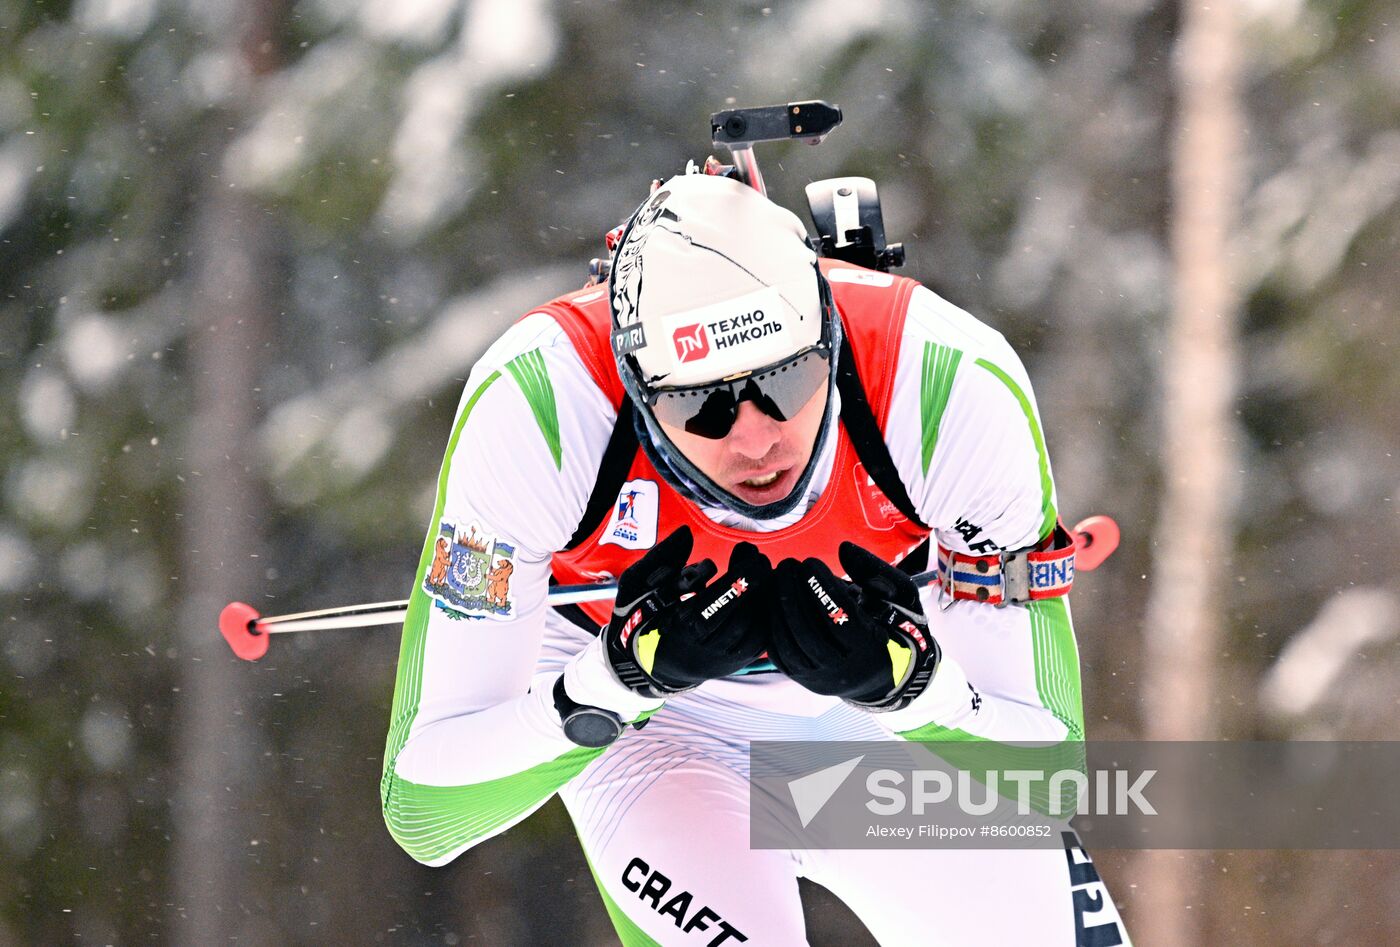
[673,628]
[865,640]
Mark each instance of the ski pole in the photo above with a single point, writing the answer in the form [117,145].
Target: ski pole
[248,632]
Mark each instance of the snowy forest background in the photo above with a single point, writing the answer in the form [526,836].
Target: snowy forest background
[249,251]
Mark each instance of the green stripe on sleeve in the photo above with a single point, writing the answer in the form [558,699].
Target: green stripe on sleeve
[1057,663]
[1056,660]
[1055,655]
[1052,635]
[1047,502]
[432,821]
[529,373]
[936,382]
[408,682]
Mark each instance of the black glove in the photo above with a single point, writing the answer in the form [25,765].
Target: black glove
[673,629]
[865,640]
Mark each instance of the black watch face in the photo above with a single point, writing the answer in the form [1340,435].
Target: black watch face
[592,728]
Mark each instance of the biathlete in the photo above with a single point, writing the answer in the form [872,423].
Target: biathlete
[748,439]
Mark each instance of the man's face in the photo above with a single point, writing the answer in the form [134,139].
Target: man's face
[760,459]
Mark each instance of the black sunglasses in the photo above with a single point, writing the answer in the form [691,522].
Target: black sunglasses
[778,390]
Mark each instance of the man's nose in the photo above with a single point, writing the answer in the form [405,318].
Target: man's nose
[754,433]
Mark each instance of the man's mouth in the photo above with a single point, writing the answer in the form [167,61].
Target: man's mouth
[763,481]
[765,487]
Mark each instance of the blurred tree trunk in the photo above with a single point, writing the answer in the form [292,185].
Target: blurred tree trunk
[216,765]
[1194,536]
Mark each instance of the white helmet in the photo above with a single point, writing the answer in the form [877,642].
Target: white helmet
[716,298]
[710,279]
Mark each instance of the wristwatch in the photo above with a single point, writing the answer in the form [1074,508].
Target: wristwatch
[585,725]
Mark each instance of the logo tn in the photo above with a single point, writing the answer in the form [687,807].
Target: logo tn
[692,342]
